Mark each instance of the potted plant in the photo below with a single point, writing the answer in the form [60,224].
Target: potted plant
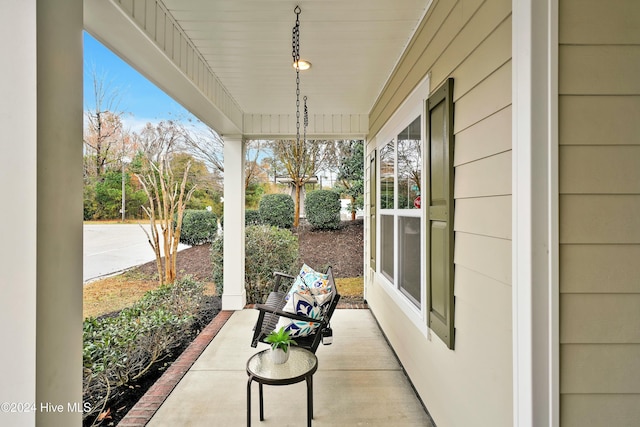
[280,342]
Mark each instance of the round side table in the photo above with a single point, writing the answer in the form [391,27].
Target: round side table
[301,366]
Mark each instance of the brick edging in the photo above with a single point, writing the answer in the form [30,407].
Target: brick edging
[141,413]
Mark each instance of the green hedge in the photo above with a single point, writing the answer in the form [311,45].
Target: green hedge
[323,209]
[267,249]
[277,210]
[198,227]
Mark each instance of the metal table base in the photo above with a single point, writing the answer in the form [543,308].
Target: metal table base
[301,366]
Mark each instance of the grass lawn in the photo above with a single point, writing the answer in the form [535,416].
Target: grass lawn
[350,287]
[117,292]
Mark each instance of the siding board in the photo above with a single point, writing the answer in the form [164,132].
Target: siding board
[601,219]
[487,216]
[600,318]
[470,61]
[490,176]
[481,293]
[486,138]
[599,22]
[599,70]
[599,170]
[600,269]
[597,410]
[596,368]
[490,95]
[486,255]
[599,120]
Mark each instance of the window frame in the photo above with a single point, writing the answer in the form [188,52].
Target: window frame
[396,213]
[412,108]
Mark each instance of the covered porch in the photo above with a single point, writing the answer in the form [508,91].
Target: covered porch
[359,382]
[375,63]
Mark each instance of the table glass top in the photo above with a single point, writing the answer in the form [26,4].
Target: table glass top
[300,363]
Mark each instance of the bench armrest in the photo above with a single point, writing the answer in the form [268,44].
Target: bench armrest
[279,276]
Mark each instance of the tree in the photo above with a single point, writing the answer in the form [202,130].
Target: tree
[167,195]
[205,145]
[207,192]
[104,132]
[159,141]
[351,173]
[254,171]
[301,159]
[167,199]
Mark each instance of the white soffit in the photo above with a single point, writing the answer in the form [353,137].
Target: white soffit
[352,44]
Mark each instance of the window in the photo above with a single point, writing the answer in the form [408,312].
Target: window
[400,214]
[439,137]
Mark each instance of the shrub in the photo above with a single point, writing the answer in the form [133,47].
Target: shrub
[267,249]
[217,262]
[119,350]
[323,209]
[277,210]
[198,227]
[252,217]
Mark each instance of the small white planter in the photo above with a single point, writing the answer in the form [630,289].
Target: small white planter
[279,356]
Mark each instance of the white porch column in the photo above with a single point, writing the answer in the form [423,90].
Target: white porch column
[535,213]
[41,172]
[234,296]
[18,170]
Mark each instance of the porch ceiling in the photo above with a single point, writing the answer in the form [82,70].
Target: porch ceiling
[245,49]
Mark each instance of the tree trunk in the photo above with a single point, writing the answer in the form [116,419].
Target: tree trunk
[296,211]
[353,209]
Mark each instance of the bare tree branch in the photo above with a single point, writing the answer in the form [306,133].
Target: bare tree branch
[104,129]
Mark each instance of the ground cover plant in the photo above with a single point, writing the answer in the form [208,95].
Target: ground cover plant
[120,350]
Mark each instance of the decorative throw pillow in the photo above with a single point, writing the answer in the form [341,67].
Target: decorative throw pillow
[311,282]
[303,304]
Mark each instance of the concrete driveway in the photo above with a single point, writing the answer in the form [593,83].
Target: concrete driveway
[111,248]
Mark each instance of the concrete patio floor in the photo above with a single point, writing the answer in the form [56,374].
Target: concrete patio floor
[359,382]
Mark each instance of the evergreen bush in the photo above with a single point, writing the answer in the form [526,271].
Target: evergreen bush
[277,210]
[198,227]
[323,209]
[252,217]
[267,249]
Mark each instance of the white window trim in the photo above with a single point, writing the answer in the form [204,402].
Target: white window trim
[412,107]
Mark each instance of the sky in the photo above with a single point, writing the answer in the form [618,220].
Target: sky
[140,100]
